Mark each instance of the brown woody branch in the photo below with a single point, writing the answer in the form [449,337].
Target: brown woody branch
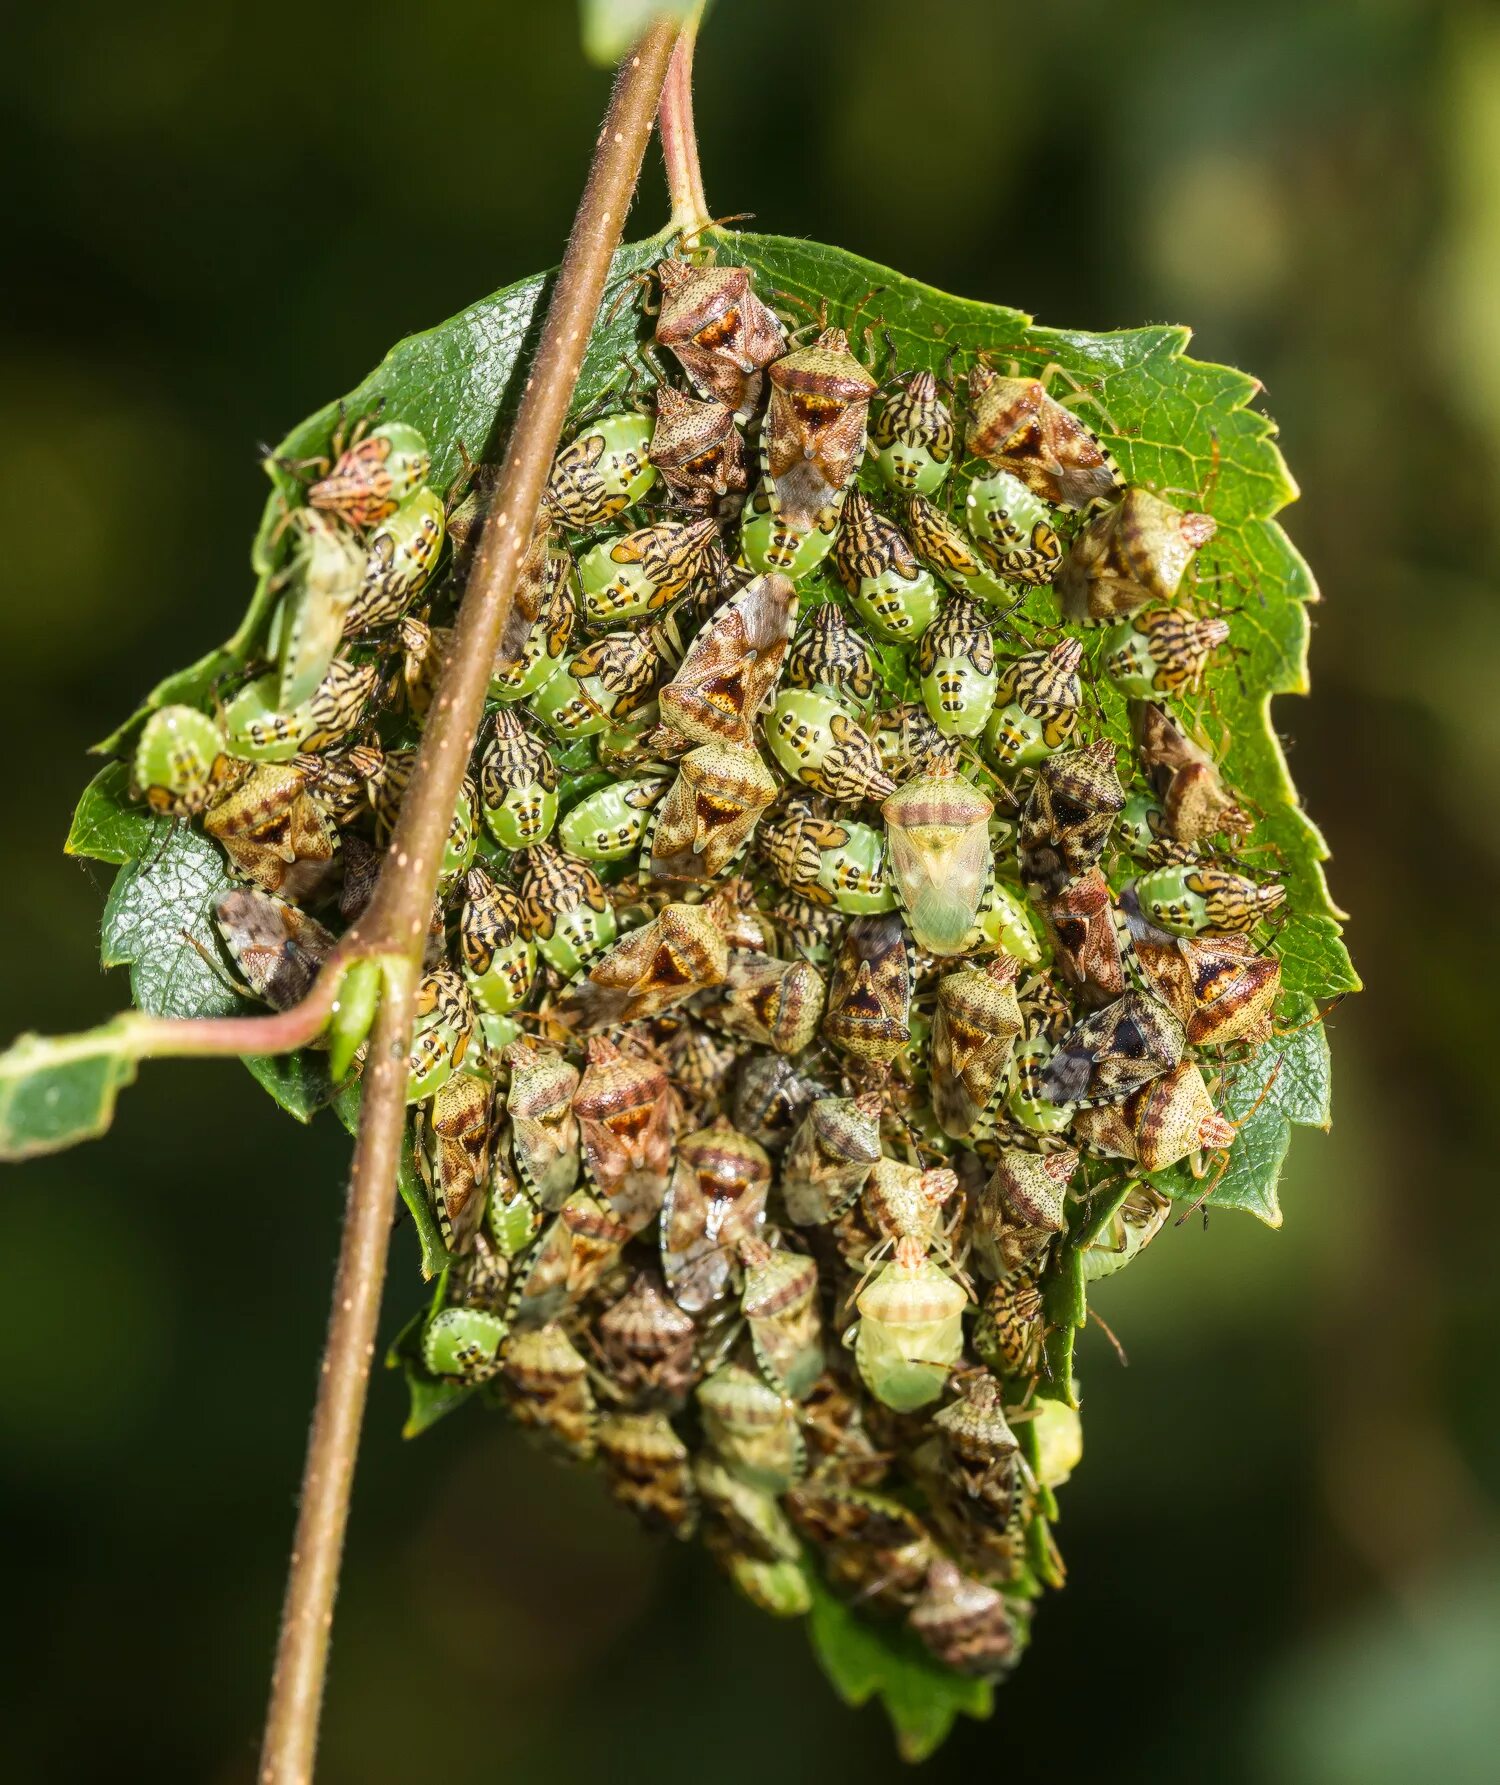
[396,922]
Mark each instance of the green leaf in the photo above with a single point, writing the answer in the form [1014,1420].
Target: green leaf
[609,27]
[157,910]
[864,1660]
[108,826]
[57,1091]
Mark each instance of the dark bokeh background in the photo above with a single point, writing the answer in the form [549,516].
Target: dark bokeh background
[1283,1543]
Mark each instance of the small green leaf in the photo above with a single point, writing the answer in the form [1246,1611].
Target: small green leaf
[299,1083]
[1065,1306]
[57,1091]
[157,910]
[609,27]
[431,1396]
[864,1659]
[109,826]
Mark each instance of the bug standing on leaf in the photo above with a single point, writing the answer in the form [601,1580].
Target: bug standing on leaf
[814,434]
[722,334]
[1135,553]
[889,587]
[911,437]
[1016,426]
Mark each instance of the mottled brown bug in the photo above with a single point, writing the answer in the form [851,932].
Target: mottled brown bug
[455,1156]
[1069,814]
[1010,1326]
[627,1121]
[544,1130]
[869,1002]
[277,948]
[1091,948]
[776,1003]
[1171,1119]
[874,1549]
[830,1156]
[722,334]
[1135,553]
[647,1344]
[274,831]
[779,1302]
[709,812]
[1020,1209]
[1220,986]
[1017,427]
[733,666]
[1184,777]
[1114,1051]
[814,435]
[547,1388]
[965,1623]
[975,1026]
[649,1470]
[716,1198]
[697,449]
[980,1451]
[649,969]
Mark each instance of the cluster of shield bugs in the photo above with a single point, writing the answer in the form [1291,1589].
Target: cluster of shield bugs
[812,952]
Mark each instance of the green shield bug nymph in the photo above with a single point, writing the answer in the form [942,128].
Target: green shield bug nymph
[372,475]
[499,958]
[829,651]
[1004,925]
[910,1330]
[1192,898]
[911,439]
[541,623]
[181,763]
[441,1032]
[1016,526]
[1037,698]
[399,556]
[1135,553]
[609,824]
[621,579]
[604,681]
[907,739]
[966,565]
[769,540]
[257,728]
[324,578]
[818,739]
[957,664]
[463,1343]
[891,590]
[602,471]
[517,784]
[1161,651]
[565,907]
[938,830]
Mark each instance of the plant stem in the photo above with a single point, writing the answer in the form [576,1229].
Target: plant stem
[396,921]
[679,138]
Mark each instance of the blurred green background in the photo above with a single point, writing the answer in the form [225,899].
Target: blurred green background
[1283,1543]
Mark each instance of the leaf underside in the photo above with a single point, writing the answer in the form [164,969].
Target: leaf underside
[1182,427]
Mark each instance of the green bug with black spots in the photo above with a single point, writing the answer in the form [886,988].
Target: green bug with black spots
[399,558]
[1197,899]
[609,824]
[969,566]
[957,663]
[1161,652]
[517,784]
[769,541]
[181,762]
[605,469]
[891,591]
[911,439]
[1037,702]
[1016,526]
[499,958]
[622,579]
